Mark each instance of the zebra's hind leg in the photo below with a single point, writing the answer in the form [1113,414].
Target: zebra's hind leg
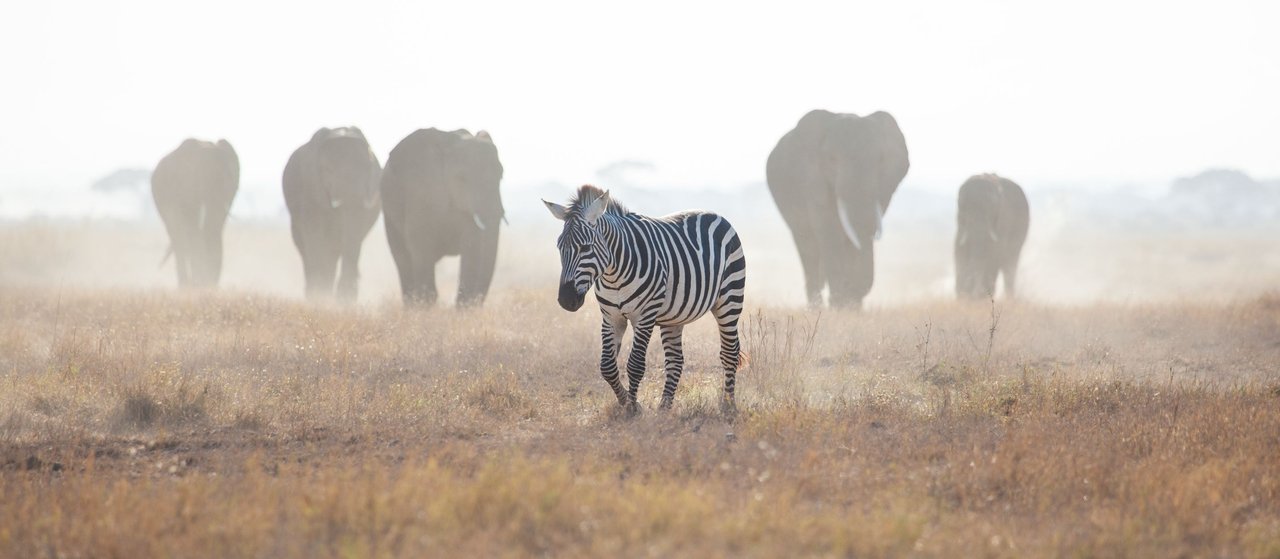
[727,320]
[610,342]
[673,351]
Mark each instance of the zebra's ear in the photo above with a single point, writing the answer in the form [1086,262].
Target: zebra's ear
[557,210]
[596,209]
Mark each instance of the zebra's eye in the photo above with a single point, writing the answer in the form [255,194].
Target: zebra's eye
[584,247]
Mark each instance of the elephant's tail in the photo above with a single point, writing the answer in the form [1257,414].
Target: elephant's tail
[167,253]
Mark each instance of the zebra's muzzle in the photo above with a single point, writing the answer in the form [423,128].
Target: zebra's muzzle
[570,299]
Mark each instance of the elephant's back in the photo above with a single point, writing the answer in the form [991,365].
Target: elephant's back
[197,167]
[414,158]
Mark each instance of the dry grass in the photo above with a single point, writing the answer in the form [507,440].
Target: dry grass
[136,424]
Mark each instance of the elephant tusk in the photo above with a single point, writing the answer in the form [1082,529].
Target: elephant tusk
[479,223]
[879,221]
[844,222]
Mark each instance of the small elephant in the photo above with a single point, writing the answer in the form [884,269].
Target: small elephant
[832,177]
[193,187]
[331,187]
[440,193]
[991,225]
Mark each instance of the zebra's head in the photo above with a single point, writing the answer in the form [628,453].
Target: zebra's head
[581,261]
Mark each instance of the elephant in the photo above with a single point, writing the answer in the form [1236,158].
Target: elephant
[193,187]
[440,193]
[832,177]
[991,226]
[331,187]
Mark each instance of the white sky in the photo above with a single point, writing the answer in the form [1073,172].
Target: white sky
[1049,93]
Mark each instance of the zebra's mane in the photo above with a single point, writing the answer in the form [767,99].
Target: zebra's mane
[586,195]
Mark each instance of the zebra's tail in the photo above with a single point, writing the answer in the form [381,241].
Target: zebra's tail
[744,360]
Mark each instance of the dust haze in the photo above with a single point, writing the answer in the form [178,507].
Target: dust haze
[1210,237]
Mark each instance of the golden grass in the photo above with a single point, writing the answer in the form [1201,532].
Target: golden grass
[179,425]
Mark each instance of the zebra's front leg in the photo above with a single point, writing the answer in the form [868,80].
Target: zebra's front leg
[673,351]
[635,365]
[611,332]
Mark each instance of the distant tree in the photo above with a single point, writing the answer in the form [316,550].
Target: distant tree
[123,180]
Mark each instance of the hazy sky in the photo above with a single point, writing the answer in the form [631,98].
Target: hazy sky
[1047,93]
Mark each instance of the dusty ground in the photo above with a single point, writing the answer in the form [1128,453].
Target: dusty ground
[145,424]
[138,421]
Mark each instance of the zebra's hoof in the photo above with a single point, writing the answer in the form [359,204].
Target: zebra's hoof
[729,409]
[631,409]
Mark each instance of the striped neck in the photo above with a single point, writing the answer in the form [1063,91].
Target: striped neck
[613,255]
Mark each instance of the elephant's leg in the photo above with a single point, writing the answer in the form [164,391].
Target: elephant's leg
[207,240]
[611,332]
[197,257]
[301,227]
[990,274]
[1010,273]
[355,228]
[963,276]
[213,254]
[179,244]
[730,352]
[348,282]
[400,255]
[422,290]
[180,262]
[322,237]
[479,255]
[636,363]
[178,225]
[673,352]
[849,292]
[809,247]
[322,265]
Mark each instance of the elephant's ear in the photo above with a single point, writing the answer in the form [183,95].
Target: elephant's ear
[373,187]
[232,162]
[560,212]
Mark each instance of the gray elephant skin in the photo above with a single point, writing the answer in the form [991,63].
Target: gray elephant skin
[331,187]
[832,177]
[440,193]
[193,187]
[991,226]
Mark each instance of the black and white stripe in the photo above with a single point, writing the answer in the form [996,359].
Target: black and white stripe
[664,272]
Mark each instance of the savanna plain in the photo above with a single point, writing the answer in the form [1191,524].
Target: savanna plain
[138,421]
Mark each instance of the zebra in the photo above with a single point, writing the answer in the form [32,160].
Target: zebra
[665,272]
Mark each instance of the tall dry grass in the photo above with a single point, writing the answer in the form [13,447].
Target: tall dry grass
[201,425]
